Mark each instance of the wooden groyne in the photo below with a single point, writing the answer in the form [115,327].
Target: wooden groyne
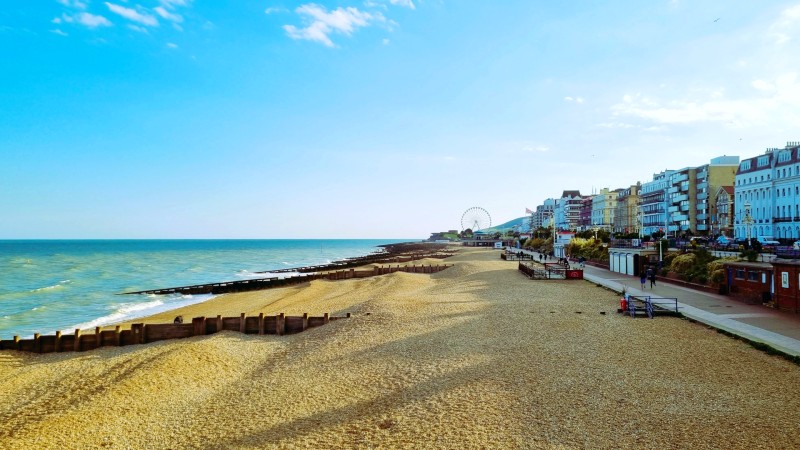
[144,333]
[274,282]
[363,261]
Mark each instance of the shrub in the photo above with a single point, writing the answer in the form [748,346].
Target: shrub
[683,264]
[717,275]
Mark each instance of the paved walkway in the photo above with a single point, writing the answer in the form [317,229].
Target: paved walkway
[758,323]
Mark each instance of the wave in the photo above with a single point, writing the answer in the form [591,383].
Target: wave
[50,288]
[129,311]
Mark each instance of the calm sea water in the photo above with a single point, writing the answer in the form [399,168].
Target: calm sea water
[63,285]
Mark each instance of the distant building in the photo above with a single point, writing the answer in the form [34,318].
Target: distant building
[626,211]
[653,203]
[604,206]
[722,224]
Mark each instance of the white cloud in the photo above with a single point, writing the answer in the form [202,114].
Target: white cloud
[161,11]
[59,32]
[73,3]
[172,4]
[87,20]
[769,102]
[406,3]
[782,30]
[574,99]
[56,20]
[137,28]
[385,41]
[322,23]
[275,10]
[133,15]
[172,45]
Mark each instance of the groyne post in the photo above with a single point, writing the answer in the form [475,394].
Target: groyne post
[57,344]
[199,326]
[37,343]
[98,338]
[242,323]
[325,318]
[136,332]
[305,321]
[117,336]
[279,324]
[76,346]
[260,324]
[219,324]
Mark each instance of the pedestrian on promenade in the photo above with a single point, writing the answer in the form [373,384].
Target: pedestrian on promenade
[643,278]
[652,278]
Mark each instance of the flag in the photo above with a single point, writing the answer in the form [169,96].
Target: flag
[528,211]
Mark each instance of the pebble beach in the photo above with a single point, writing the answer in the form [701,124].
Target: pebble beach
[476,356]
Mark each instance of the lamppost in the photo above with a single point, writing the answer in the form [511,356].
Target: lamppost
[747,221]
[595,228]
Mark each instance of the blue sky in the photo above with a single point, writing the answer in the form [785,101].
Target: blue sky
[377,118]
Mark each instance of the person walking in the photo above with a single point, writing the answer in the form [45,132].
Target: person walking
[643,278]
[652,278]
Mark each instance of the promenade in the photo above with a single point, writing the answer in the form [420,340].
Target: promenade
[778,329]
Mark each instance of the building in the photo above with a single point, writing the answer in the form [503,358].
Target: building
[604,205]
[786,188]
[543,215]
[652,203]
[722,222]
[753,191]
[568,210]
[720,172]
[626,211]
[585,218]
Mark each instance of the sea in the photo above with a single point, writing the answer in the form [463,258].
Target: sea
[49,285]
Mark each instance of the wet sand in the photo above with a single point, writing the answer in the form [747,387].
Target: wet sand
[475,356]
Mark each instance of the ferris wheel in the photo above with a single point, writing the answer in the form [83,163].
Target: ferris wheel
[476,218]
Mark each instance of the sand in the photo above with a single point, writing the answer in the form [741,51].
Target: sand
[475,356]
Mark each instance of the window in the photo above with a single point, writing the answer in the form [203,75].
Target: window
[739,274]
[753,275]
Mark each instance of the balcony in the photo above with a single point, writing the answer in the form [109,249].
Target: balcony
[702,216]
[679,217]
[672,190]
[679,198]
[678,178]
[673,209]
[702,196]
[785,219]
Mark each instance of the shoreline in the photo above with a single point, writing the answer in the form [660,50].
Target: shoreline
[474,356]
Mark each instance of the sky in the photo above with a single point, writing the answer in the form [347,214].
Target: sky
[369,119]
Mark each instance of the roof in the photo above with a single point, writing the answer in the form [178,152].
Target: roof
[571,194]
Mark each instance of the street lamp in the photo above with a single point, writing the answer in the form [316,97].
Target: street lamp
[748,221]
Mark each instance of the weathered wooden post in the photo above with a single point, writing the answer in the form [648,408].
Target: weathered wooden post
[219,323]
[305,321]
[325,318]
[77,345]
[136,332]
[348,315]
[98,341]
[260,324]
[199,326]
[57,344]
[37,343]
[242,320]
[352,273]
[117,336]
[279,324]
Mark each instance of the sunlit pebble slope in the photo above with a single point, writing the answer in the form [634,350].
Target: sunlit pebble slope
[475,356]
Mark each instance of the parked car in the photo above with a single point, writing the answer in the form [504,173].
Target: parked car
[767,240]
[796,245]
